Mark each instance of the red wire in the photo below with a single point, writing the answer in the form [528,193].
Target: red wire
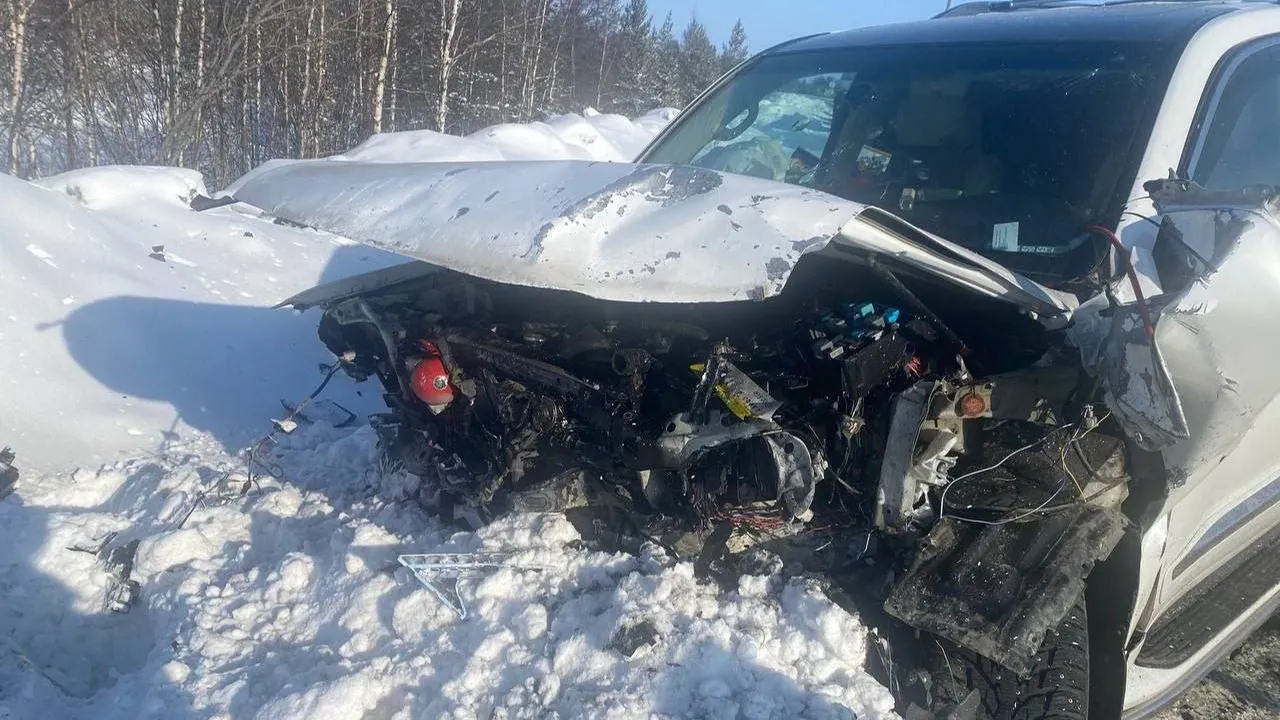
[1131,272]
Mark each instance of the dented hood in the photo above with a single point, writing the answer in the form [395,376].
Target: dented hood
[614,231]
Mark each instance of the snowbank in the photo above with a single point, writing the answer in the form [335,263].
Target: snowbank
[590,136]
[140,341]
[129,321]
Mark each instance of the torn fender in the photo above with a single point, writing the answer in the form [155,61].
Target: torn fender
[1139,389]
[1199,384]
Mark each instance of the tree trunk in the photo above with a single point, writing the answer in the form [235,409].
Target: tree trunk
[19,14]
[199,108]
[321,67]
[162,78]
[604,54]
[286,105]
[530,89]
[71,90]
[85,81]
[175,83]
[359,55]
[555,56]
[246,137]
[449,11]
[395,74]
[502,64]
[304,127]
[380,88]
[255,129]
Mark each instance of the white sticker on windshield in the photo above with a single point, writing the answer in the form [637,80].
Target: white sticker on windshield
[1004,237]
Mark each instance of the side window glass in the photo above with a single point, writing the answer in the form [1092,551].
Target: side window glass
[782,135]
[1241,144]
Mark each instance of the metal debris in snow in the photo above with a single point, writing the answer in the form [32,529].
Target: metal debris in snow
[116,559]
[633,641]
[441,572]
[8,473]
[123,590]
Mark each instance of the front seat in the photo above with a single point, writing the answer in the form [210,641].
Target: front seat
[943,130]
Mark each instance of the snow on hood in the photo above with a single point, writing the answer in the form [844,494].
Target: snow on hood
[613,231]
[610,230]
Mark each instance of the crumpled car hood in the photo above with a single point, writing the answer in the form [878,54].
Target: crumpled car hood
[614,231]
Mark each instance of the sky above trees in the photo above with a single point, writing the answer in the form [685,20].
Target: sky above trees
[768,22]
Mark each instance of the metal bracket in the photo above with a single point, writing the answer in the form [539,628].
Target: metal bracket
[441,572]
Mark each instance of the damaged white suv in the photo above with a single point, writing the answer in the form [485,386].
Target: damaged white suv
[972,317]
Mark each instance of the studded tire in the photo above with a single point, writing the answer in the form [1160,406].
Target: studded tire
[1056,689]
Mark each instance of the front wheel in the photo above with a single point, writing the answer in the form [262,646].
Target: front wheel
[1056,689]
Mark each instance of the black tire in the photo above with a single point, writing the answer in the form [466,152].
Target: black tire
[1056,689]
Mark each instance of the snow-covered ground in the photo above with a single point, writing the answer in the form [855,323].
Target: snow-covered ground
[129,320]
[143,357]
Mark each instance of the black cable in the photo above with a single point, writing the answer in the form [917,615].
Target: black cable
[1140,216]
[274,470]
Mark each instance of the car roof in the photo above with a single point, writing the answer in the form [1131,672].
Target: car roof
[1167,22]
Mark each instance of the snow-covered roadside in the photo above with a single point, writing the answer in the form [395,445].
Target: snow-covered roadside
[289,604]
[129,321]
[133,375]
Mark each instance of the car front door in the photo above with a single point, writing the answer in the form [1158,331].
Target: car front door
[1220,337]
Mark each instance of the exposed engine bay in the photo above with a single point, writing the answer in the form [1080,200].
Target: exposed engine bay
[863,418]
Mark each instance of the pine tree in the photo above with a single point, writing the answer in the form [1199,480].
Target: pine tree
[699,63]
[637,86]
[736,50]
[666,67]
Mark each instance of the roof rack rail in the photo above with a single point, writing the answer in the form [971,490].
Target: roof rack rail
[990,6]
[993,6]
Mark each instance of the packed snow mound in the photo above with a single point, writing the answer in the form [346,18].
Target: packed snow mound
[103,188]
[129,320]
[289,602]
[590,136]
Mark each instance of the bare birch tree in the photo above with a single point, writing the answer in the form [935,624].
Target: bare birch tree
[19,16]
[223,85]
[388,39]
